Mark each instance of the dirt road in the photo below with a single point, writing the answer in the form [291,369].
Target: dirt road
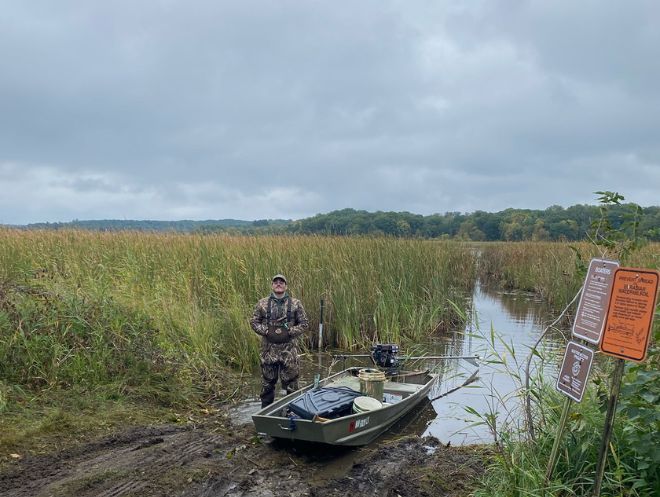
[221,458]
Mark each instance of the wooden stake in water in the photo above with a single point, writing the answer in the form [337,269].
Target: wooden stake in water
[609,423]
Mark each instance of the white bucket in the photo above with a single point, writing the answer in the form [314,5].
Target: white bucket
[365,404]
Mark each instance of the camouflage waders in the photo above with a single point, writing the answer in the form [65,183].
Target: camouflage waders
[285,317]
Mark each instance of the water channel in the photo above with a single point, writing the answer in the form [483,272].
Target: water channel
[516,318]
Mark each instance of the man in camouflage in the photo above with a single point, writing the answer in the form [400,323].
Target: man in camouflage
[280,320]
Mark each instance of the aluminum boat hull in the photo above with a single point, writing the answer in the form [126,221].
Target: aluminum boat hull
[353,429]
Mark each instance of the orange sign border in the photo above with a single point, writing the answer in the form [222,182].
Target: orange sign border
[649,325]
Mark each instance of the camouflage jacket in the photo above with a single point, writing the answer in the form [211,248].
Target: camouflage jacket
[297,325]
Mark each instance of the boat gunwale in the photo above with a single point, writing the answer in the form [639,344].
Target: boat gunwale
[346,372]
[388,414]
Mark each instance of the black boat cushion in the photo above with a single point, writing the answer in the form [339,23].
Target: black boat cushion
[326,402]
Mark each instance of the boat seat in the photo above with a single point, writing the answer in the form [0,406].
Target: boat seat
[347,381]
[394,387]
[389,386]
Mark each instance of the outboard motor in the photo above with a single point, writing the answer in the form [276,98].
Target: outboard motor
[384,356]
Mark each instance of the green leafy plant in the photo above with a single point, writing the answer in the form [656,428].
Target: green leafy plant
[618,237]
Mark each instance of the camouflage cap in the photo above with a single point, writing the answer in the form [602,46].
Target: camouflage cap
[279,276]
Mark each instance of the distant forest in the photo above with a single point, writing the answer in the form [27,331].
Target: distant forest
[554,223]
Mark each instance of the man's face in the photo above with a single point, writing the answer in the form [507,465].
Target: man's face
[279,286]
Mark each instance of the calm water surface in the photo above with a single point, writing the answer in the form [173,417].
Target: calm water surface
[517,320]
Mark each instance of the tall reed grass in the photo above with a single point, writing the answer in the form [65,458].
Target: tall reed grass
[550,269]
[156,313]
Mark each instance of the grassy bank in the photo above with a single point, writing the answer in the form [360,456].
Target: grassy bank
[633,467]
[163,318]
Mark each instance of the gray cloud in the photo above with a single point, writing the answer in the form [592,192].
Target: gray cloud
[165,110]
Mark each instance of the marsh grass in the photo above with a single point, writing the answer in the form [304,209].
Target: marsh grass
[554,271]
[162,317]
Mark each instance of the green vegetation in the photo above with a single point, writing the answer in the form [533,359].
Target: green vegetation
[552,224]
[633,468]
[163,318]
[519,465]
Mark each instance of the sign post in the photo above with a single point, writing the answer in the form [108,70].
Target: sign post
[554,454]
[588,326]
[572,382]
[609,423]
[626,336]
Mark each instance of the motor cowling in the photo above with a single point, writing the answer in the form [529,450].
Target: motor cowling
[385,355]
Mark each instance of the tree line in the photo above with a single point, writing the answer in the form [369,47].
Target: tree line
[552,224]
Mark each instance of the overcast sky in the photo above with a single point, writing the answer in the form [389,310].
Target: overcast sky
[217,109]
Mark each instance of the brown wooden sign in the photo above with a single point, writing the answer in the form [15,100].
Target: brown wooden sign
[630,313]
[592,309]
[575,370]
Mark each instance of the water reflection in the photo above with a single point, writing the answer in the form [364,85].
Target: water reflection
[519,307]
[517,320]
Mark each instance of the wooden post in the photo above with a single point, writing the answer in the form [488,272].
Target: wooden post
[558,438]
[609,423]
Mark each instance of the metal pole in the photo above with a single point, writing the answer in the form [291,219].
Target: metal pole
[609,424]
[321,327]
[318,375]
[558,437]
[405,358]
[411,358]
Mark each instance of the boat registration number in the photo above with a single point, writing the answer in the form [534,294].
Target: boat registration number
[357,424]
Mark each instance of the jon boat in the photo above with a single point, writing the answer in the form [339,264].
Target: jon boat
[403,392]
